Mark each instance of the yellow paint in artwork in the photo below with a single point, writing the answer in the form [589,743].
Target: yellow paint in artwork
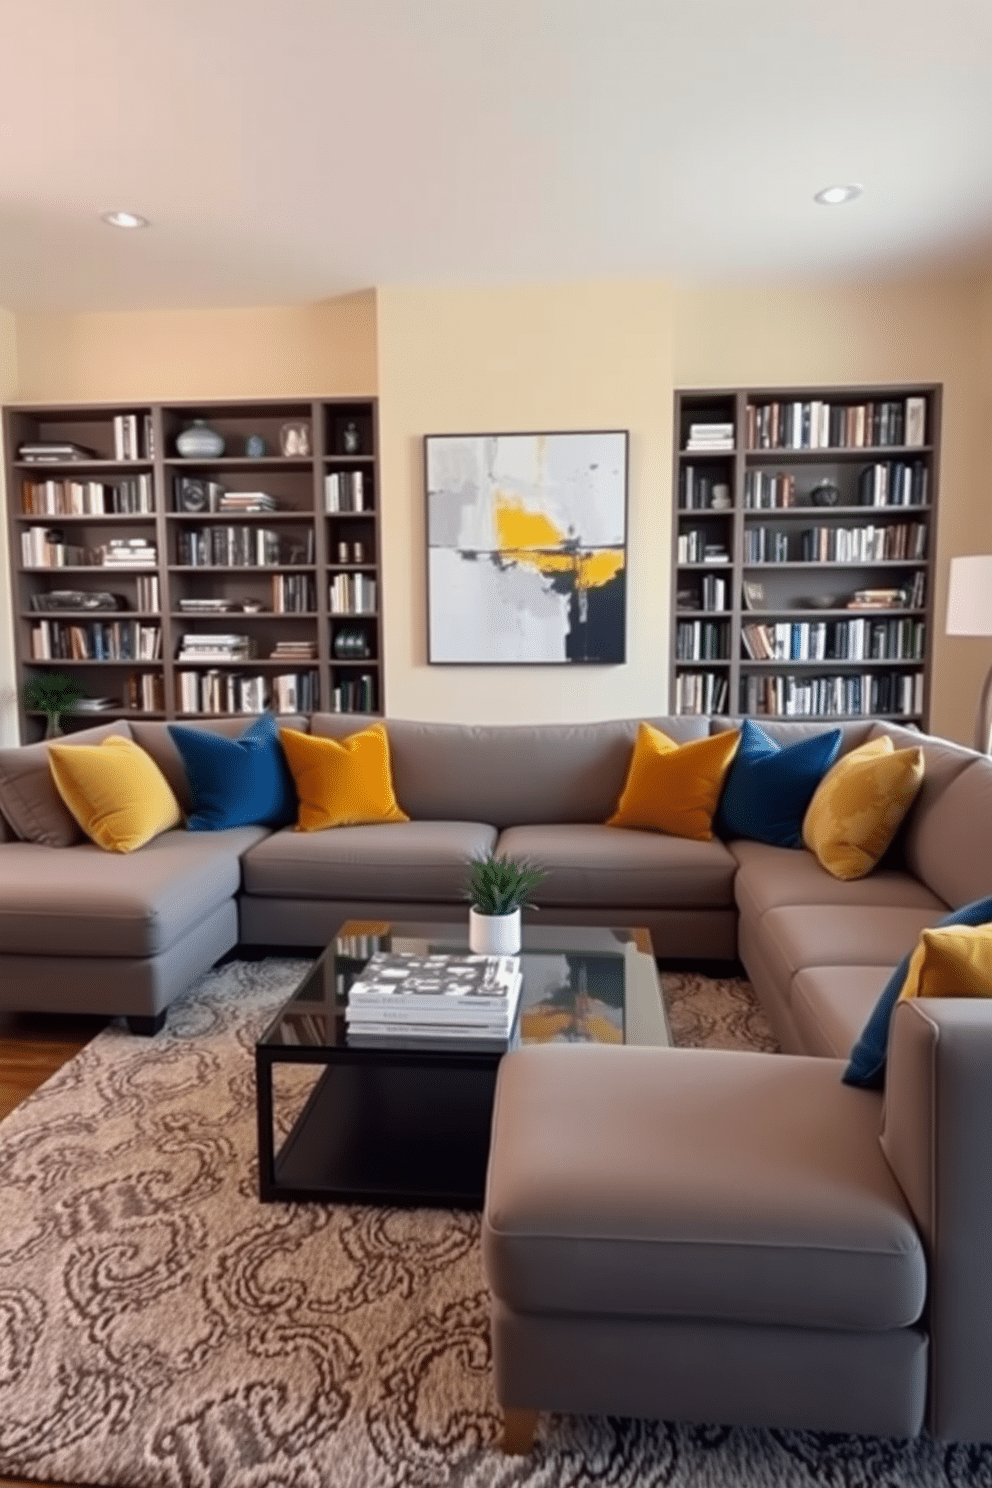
[526,537]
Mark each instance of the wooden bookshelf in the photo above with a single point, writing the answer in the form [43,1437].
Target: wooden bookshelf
[789,503]
[281,573]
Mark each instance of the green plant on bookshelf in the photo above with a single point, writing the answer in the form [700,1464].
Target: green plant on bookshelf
[53,695]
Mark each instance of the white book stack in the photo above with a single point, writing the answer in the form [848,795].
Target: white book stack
[715,436]
[439,998]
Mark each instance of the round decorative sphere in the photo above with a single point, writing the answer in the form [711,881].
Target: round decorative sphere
[200,442]
[825,494]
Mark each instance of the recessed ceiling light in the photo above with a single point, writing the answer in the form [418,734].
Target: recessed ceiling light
[836,196]
[124,219]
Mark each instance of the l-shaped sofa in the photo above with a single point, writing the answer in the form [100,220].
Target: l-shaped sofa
[715,1236]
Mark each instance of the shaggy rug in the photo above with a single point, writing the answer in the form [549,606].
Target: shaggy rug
[159,1328]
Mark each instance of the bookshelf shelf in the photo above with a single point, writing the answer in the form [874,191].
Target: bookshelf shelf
[303,533]
[878,449]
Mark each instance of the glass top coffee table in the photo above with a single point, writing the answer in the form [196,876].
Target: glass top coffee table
[409,1123]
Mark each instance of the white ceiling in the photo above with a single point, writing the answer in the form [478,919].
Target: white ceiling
[290,150]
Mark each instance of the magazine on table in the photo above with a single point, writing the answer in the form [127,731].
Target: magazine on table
[442,980]
[466,1040]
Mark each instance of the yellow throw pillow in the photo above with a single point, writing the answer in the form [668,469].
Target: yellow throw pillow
[675,788]
[342,782]
[954,961]
[858,805]
[116,792]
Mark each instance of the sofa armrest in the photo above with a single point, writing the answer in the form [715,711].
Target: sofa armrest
[937,1137]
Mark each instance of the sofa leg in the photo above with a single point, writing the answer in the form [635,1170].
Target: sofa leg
[146,1026]
[519,1427]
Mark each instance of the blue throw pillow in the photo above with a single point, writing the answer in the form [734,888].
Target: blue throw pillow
[237,782]
[769,788]
[867,1064]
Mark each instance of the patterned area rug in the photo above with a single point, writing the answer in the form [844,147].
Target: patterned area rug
[161,1329]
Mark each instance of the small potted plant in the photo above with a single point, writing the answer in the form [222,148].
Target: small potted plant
[52,694]
[497,889]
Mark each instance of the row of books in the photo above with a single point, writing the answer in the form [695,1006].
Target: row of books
[95,640]
[701,640]
[353,594]
[354,694]
[872,544]
[708,593]
[241,547]
[699,546]
[345,491]
[145,691]
[77,498]
[704,490]
[836,640]
[46,547]
[293,594]
[818,424]
[701,692]
[834,696]
[216,691]
[437,997]
[127,444]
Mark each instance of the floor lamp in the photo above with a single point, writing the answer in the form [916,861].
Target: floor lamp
[969,613]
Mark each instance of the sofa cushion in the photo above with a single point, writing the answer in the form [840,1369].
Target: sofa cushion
[858,806]
[599,865]
[674,788]
[795,936]
[393,861]
[945,850]
[86,902]
[236,782]
[510,774]
[154,737]
[951,961]
[771,876]
[770,786]
[28,798]
[342,782]
[709,1184]
[831,1004]
[116,792]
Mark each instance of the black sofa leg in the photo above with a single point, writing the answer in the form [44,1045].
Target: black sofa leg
[146,1026]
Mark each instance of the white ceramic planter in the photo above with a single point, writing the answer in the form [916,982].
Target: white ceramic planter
[494,935]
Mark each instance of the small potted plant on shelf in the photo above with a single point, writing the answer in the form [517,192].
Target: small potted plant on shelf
[53,694]
[497,889]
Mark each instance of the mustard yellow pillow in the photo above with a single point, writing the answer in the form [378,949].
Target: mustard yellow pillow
[953,961]
[675,788]
[115,791]
[859,804]
[342,782]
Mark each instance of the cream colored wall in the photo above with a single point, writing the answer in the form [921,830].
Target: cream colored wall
[8,691]
[586,356]
[910,332]
[282,351]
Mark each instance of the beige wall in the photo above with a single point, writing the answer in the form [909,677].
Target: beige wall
[324,349]
[8,693]
[592,356]
[913,332]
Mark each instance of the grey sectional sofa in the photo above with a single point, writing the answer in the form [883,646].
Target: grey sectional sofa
[680,1233]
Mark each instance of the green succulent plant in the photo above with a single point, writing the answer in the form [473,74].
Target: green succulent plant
[498,886]
[52,694]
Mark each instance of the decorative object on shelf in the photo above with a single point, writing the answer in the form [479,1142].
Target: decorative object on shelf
[754,595]
[53,695]
[255,446]
[825,494]
[193,494]
[294,439]
[78,599]
[351,439]
[720,498]
[969,613]
[527,548]
[497,890]
[252,606]
[200,442]
[823,601]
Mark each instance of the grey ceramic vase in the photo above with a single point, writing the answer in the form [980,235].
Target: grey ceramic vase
[200,442]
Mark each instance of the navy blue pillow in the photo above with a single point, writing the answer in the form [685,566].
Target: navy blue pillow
[769,788]
[867,1065]
[237,782]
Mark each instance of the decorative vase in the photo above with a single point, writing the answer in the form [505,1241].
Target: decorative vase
[494,935]
[200,442]
[351,440]
[53,729]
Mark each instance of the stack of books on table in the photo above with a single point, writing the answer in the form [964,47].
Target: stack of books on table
[444,998]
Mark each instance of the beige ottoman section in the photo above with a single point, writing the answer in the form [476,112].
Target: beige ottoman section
[651,1217]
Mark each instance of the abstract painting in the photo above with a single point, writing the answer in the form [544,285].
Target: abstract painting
[526,548]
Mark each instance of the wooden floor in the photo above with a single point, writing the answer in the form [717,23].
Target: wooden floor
[32,1047]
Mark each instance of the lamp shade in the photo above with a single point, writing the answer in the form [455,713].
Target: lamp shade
[969,596]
